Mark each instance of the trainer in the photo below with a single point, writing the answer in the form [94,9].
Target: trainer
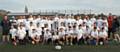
[5,23]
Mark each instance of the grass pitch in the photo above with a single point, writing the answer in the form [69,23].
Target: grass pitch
[51,48]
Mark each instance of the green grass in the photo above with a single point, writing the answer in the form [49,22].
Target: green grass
[113,47]
[50,48]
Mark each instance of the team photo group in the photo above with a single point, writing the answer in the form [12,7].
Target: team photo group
[60,30]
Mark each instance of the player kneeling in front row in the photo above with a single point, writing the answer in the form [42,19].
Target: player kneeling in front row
[103,36]
[61,35]
[86,35]
[21,32]
[68,36]
[75,35]
[55,39]
[94,36]
[47,36]
[13,33]
[80,35]
[34,36]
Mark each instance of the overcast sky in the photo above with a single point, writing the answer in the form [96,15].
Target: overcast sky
[97,6]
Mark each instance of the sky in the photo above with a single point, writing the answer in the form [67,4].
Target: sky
[97,6]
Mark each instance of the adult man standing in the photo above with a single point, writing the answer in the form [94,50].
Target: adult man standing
[5,23]
[110,21]
[115,28]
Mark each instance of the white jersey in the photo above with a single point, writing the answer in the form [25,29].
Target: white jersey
[38,19]
[20,21]
[103,34]
[94,33]
[80,21]
[56,23]
[80,33]
[106,22]
[21,33]
[93,20]
[84,28]
[56,19]
[35,22]
[30,19]
[33,34]
[73,21]
[99,22]
[69,32]
[13,32]
[68,22]
[27,24]
[87,31]
[54,37]
[43,22]
[39,31]
[50,22]
[61,34]
[31,27]
[85,20]
[89,23]
[75,31]
[47,35]
[61,22]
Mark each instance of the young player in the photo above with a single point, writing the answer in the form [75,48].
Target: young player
[13,32]
[30,18]
[93,20]
[94,35]
[47,36]
[103,35]
[75,34]
[79,20]
[31,26]
[33,36]
[99,22]
[55,39]
[69,33]
[86,34]
[21,32]
[80,34]
[20,20]
[61,35]
[39,32]
[61,21]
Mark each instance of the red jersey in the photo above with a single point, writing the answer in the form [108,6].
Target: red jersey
[110,20]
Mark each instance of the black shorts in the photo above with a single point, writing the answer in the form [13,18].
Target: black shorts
[94,39]
[101,39]
[49,40]
[30,39]
[87,38]
[5,32]
[14,40]
[61,39]
[56,41]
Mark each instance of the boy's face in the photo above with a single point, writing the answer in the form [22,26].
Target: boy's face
[33,30]
[61,29]
[47,30]
[31,24]
[20,26]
